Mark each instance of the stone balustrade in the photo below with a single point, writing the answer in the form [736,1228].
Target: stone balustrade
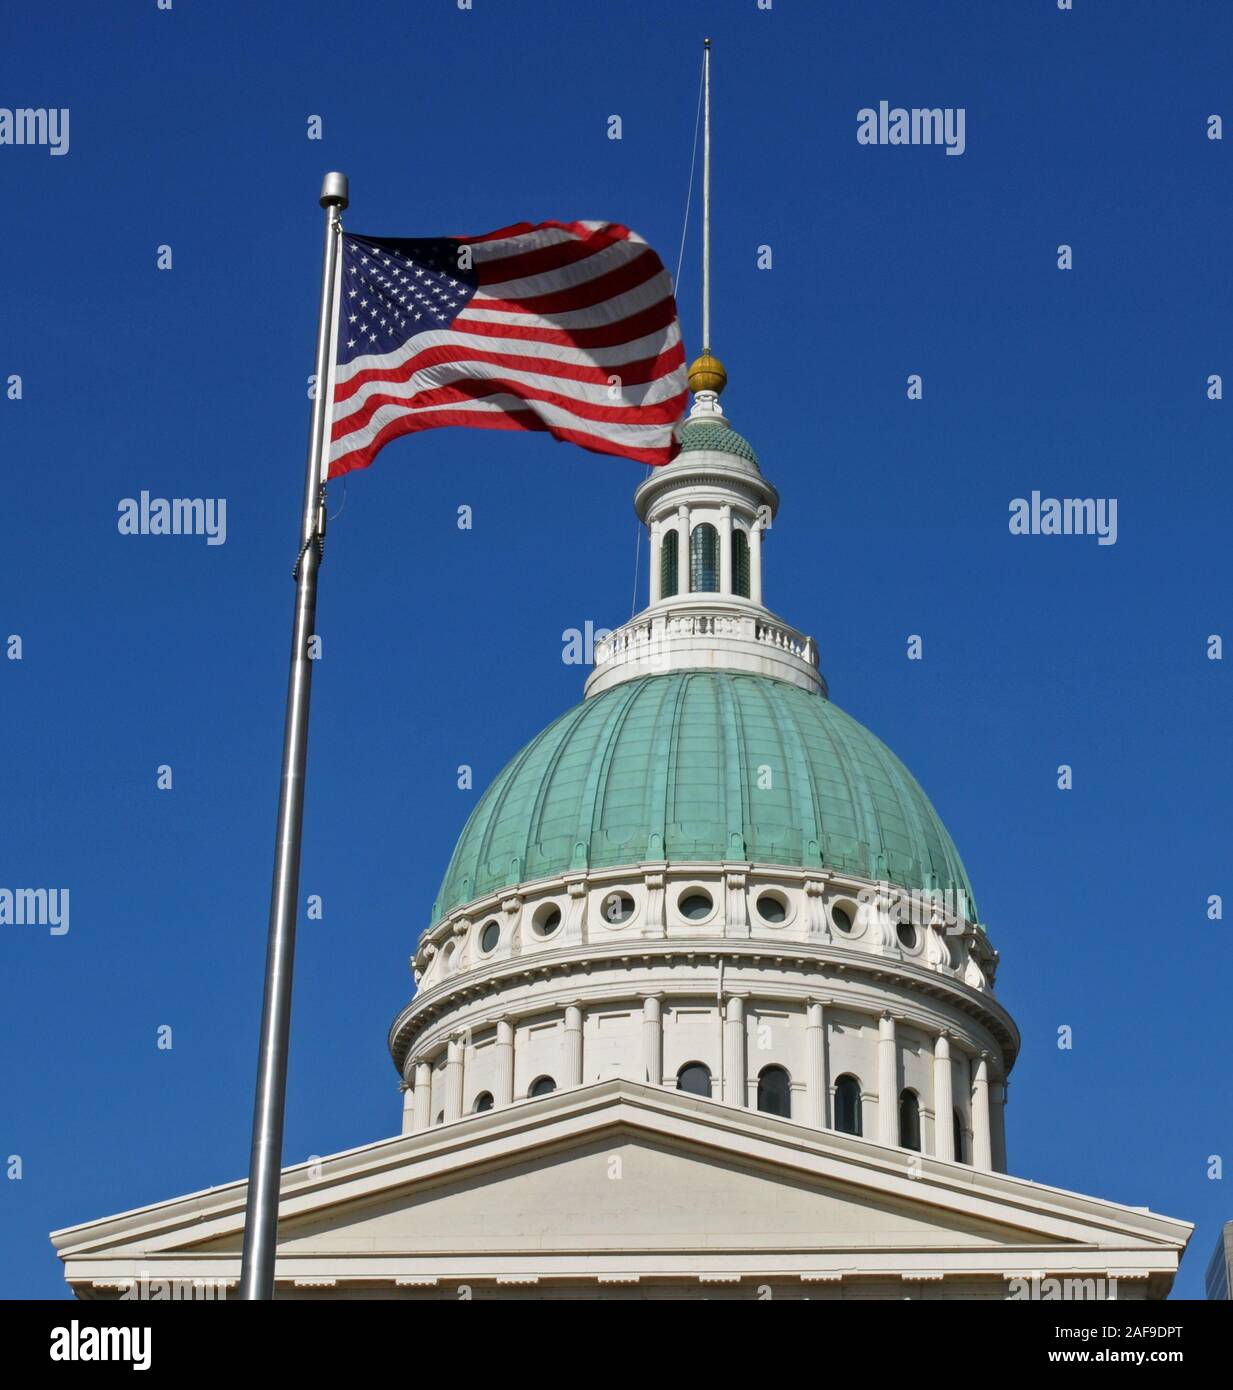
[705,634]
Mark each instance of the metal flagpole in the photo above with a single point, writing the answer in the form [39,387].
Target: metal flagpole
[265,1163]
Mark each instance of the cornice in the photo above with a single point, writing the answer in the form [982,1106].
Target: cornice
[484,983]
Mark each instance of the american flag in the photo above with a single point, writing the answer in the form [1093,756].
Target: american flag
[568,327]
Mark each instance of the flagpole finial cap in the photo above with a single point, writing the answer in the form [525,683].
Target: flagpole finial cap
[334,191]
[707,374]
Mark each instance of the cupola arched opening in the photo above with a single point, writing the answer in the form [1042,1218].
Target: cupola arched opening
[542,1086]
[740,562]
[669,563]
[704,559]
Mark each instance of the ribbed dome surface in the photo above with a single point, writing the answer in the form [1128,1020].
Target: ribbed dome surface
[669,766]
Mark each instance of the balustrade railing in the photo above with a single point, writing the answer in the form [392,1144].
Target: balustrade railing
[665,628]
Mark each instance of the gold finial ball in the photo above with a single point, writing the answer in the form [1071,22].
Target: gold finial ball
[707,374]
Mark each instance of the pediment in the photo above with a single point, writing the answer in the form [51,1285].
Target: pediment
[620,1182]
[630,1191]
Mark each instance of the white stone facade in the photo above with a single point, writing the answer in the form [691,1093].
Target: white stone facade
[898,1004]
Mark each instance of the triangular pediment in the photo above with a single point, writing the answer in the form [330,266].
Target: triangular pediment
[620,1182]
[635,1190]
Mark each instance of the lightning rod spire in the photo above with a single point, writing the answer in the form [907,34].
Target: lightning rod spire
[707,377]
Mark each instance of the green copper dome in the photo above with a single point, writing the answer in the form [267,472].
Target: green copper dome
[703,766]
[722,438]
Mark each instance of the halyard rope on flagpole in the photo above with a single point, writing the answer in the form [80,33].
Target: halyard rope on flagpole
[676,280]
[318,537]
[693,164]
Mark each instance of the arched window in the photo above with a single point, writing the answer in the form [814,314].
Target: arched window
[740,562]
[694,1078]
[542,1086]
[848,1105]
[704,559]
[909,1121]
[483,1101]
[669,562]
[775,1092]
[960,1134]
[440,1120]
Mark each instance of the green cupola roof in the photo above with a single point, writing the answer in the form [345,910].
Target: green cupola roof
[707,766]
[722,438]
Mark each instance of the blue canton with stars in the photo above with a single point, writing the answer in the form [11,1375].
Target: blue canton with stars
[394,288]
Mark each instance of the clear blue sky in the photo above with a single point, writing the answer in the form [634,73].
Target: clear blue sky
[443,647]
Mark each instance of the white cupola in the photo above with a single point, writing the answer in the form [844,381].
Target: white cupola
[708,514]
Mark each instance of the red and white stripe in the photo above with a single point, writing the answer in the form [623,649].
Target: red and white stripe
[573,330]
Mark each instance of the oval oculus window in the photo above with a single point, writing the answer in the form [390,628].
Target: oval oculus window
[546,920]
[617,908]
[772,908]
[695,906]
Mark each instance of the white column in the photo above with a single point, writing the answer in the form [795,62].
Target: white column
[657,542]
[573,1047]
[682,549]
[453,1080]
[755,562]
[408,1107]
[815,1061]
[982,1137]
[734,1052]
[943,1100]
[653,1040]
[423,1096]
[888,1091]
[505,1062]
[725,549]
